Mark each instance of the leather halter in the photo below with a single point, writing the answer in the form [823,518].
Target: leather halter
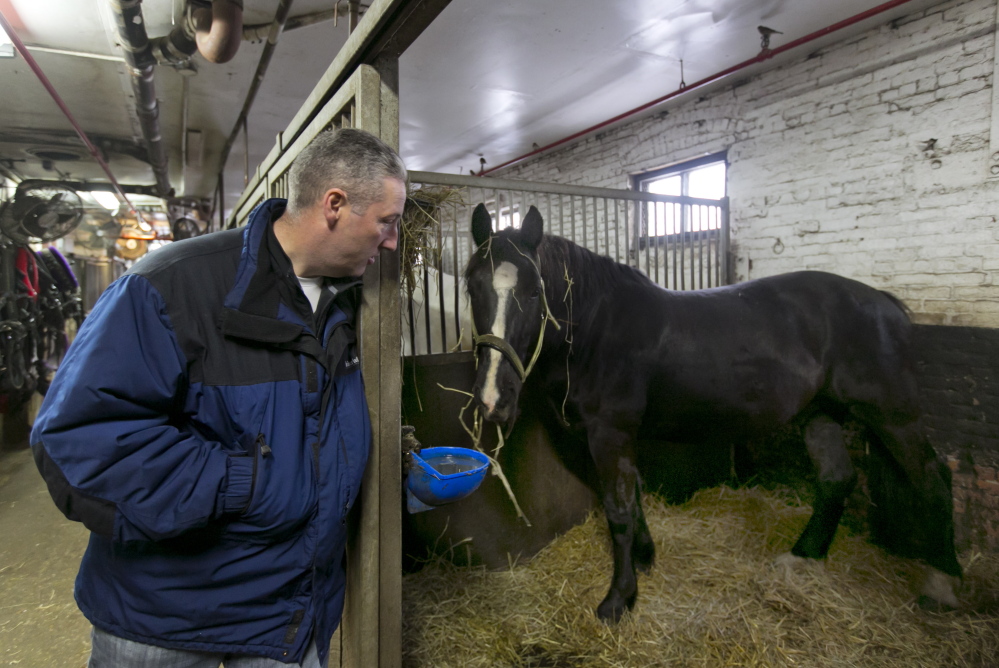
[501,344]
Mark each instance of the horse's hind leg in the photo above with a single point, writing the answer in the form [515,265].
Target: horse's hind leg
[913,493]
[836,478]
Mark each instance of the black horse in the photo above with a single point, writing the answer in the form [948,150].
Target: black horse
[620,358]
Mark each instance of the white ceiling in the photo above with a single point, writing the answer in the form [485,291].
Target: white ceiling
[488,78]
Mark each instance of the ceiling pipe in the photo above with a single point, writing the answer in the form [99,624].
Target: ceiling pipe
[258,32]
[140,60]
[762,56]
[219,30]
[276,27]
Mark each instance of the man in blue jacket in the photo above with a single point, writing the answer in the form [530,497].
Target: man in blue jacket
[209,426]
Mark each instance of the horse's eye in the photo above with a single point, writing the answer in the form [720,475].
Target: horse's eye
[535,293]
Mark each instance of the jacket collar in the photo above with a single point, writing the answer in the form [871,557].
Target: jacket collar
[266,303]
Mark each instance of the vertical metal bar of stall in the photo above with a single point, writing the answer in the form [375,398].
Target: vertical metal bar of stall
[648,237]
[710,236]
[596,228]
[693,243]
[572,216]
[457,273]
[591,216]
[669,241]
[629,207]
[700,250]
[617,230]
[561,217]
[723,255]
[685,240]
[717,235]
[524,206]
[426,305]
[678,245]
[439,256]
[412,328]
[549,223]
[658,209]
[590,213]
[706,244]
[607,246]
[671,247]
[496,206]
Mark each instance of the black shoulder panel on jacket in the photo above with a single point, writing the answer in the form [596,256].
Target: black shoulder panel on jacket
[96,514]
[193,277]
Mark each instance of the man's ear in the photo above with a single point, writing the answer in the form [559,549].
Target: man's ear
[334,205]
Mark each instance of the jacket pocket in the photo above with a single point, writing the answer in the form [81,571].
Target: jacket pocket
[282,495]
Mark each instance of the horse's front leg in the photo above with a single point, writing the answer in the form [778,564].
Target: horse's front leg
[613,455]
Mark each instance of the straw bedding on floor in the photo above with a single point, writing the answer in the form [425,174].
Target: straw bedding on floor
[714,598]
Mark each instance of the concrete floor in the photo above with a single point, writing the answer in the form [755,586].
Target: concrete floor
[40,551]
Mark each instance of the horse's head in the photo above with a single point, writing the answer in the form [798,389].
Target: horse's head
[508,310]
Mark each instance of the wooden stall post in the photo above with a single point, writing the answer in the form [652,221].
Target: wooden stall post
[371,632]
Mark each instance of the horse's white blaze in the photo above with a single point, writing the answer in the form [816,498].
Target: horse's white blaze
[504,281]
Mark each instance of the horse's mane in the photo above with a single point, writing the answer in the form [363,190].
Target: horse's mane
[591,274]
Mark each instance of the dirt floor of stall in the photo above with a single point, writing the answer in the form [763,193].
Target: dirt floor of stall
[40,551]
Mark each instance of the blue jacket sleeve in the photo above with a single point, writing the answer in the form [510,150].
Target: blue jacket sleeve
[110,438]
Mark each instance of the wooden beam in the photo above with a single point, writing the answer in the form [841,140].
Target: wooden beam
[387,29]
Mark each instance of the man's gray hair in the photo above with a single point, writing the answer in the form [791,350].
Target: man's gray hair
[353,160]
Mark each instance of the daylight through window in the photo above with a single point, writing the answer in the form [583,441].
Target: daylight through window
[703,179]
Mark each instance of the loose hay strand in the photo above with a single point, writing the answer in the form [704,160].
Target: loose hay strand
[714,598]
[475,433]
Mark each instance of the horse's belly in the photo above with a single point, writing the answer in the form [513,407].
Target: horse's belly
[740,404]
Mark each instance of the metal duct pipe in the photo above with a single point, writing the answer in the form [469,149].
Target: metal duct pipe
[276,27]
[140,60]
[219,30]
[260,31]
[177,47]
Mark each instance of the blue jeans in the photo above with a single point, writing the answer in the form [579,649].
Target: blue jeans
[110,651]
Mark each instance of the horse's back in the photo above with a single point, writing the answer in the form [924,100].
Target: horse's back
[753,355]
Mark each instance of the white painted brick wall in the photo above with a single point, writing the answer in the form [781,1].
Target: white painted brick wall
[827,155]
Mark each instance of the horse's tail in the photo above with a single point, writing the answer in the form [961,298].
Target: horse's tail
[902,306]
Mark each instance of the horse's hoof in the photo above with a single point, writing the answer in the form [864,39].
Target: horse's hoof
[938,592]
[793,562]
[613,608]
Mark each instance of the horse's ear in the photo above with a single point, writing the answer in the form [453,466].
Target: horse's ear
[533,228]
[482,225]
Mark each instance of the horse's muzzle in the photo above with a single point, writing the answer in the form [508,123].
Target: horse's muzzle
[499,412]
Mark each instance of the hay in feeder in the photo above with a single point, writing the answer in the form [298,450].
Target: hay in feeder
[428,210]
[713,598]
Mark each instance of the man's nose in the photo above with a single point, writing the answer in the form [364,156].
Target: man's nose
[391,239]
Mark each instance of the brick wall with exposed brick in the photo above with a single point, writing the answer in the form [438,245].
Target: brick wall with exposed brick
[869,158]
[959,384]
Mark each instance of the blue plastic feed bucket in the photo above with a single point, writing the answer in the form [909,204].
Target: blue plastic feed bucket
[444,475]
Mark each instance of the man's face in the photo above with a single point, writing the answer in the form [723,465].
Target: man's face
[365,233]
